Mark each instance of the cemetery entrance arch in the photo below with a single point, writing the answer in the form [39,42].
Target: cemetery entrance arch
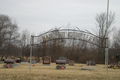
[65,33]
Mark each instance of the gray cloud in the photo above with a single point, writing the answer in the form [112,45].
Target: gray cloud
[41,15]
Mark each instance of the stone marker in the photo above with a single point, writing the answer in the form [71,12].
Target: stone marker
[1,62]
[62,58]
[60,67]
[60,64]
[34,62]
[85,69]
[90,62]
[46,60]
[10,65]
[24,62]
[71,63]
[8,61]
[15,64]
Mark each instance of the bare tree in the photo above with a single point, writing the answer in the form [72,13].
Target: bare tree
[8,35]
[116,45]
[101,20]
[25,41]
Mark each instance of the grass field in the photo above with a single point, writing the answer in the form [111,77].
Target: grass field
[39,72]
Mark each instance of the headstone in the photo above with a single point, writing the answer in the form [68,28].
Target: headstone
[85,69]
[60,64]
[24,62]
[90,62]
[15,64]
[60,67]
[34,62]
[46,60]
[11,65]
[9,61]
[71,63]
[62,58]
[8,66]
[1,62]
[93,63]
[5,66]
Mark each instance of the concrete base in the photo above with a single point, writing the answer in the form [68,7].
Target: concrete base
[1,62]
[59,66]
[5,66]
[85,69]
[11,65]
[46,64]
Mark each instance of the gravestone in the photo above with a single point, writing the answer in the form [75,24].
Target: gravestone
[62,58]
[85,69]
[24,62]
[71,63]
[10,65]
[9,61]
[34,62]
[15,64]
[60,64]
[91,62]
[1,62]
[46,60]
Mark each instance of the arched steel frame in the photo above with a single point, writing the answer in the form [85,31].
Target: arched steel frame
[75,30]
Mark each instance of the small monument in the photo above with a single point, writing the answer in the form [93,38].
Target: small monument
[46,60]
[91,63]
[34,62]
[9,63]
[1,62]
[71,63]
[63,58]
[60,64]
[24,62]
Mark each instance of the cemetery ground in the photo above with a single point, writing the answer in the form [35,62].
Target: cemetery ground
[40,72]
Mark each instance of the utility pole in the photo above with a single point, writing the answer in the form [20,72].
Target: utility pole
[106,49]
[32,40]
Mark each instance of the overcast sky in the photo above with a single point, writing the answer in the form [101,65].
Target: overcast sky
[38,16]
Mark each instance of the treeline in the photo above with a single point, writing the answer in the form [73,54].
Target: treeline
[14,43]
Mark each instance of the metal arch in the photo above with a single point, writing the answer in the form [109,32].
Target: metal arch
[87,32]
[69,38]
[76,30]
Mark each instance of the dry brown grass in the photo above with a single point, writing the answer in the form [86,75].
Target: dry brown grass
[40,72]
